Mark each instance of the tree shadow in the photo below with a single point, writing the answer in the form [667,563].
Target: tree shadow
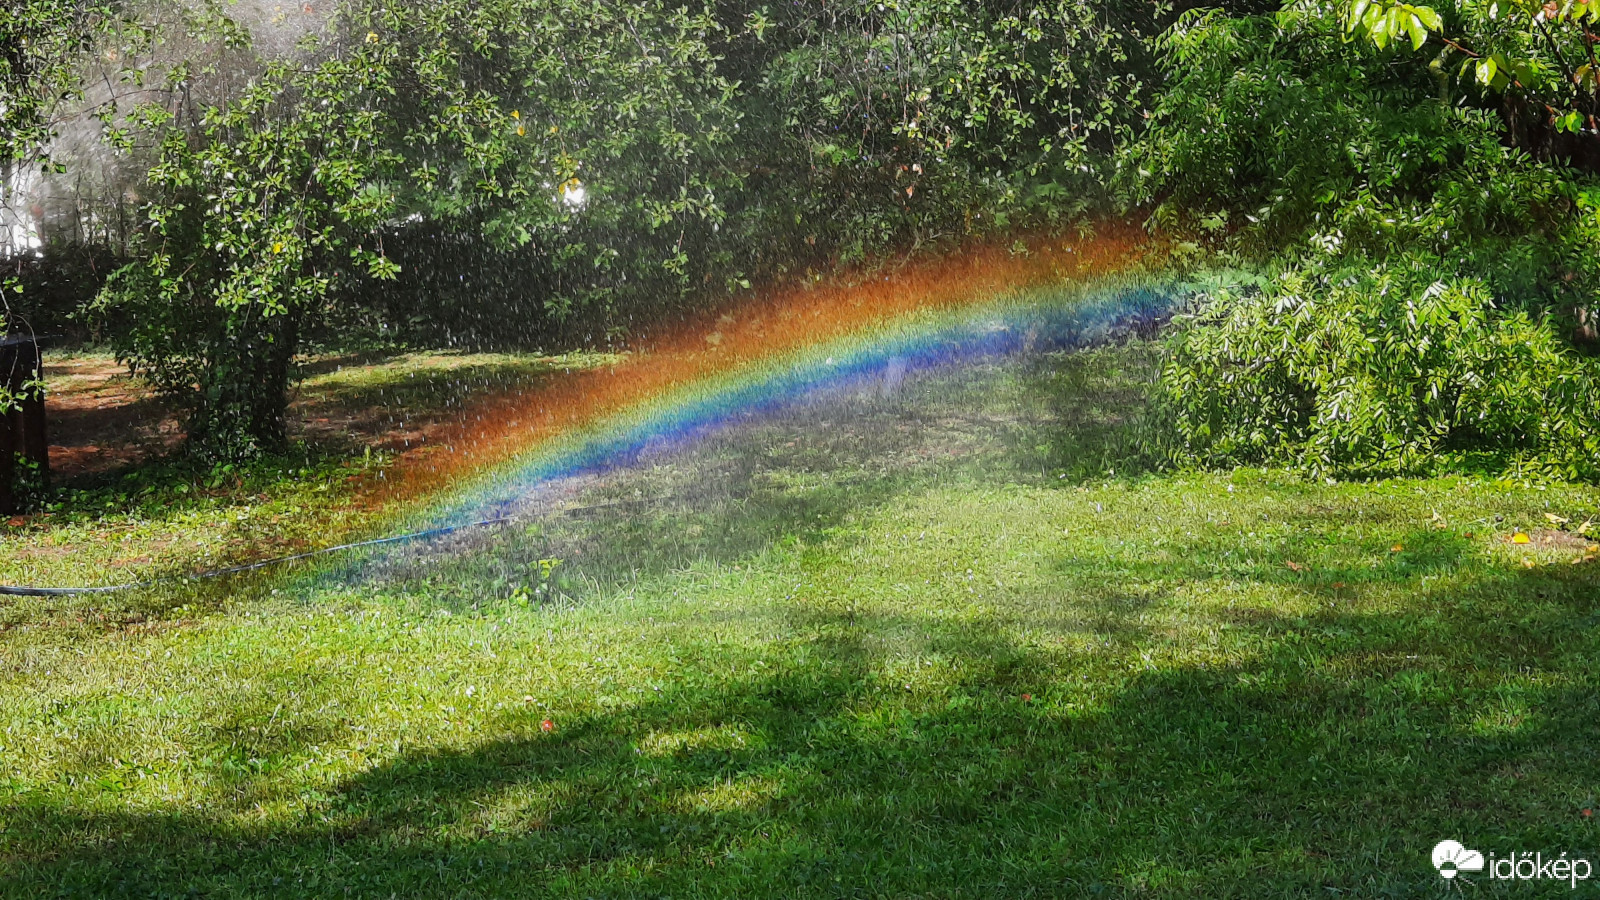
[1089,411]
[1325,758]
[792,477]
[429,388]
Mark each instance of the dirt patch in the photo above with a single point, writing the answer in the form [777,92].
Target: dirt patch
[1558,540]
[100,418]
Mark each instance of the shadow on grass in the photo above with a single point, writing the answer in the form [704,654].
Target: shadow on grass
[1324,760]
[425,384]
[1091,411]
[798,477]
[1305,557]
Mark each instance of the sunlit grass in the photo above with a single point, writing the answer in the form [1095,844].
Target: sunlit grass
[849,660]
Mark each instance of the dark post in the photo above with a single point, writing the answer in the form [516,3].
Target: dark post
[35,439]
[8,464]
[21,428]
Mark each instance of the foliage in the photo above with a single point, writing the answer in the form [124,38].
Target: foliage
[39,44]
[1274,130]
[1532,51]
[535,161]
[930,119]
[1377,368]
[1373,198]
[461,112]
[64,67]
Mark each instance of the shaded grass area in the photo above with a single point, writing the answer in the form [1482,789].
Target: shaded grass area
[388,402]
[877,646]
[162,515]
[807,473]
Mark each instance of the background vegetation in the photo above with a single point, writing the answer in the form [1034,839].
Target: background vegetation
[1429,281]
[532,172]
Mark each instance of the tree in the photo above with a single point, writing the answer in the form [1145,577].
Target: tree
[578,127]
[623,158]
[1422,267]
[1537,56]
[40,43]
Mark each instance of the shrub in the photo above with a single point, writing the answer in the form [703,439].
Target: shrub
[1379,369]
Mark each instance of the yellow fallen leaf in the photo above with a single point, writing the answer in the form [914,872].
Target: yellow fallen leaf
[1528,563]
[1592,548]
[1556,520]
[1396,548]
[1521,537]
[515,114]
[520,131]
[1294,566]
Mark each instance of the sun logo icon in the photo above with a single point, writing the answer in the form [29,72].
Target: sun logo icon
[1451,859]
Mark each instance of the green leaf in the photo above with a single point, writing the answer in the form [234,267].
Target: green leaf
[1419,34]
[1487,70]
[1357,10]
[1380,31]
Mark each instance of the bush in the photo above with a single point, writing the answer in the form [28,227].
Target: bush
[1427,279]
[1379,369]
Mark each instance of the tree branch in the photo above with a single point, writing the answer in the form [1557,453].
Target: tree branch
[1560,60]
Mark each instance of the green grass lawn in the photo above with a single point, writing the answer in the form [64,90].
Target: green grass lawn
[923,645]
[167,517]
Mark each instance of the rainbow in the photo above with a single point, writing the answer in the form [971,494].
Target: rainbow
[769,354]
[762,354]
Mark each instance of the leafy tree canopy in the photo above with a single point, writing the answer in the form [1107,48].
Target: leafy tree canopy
[617,158]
